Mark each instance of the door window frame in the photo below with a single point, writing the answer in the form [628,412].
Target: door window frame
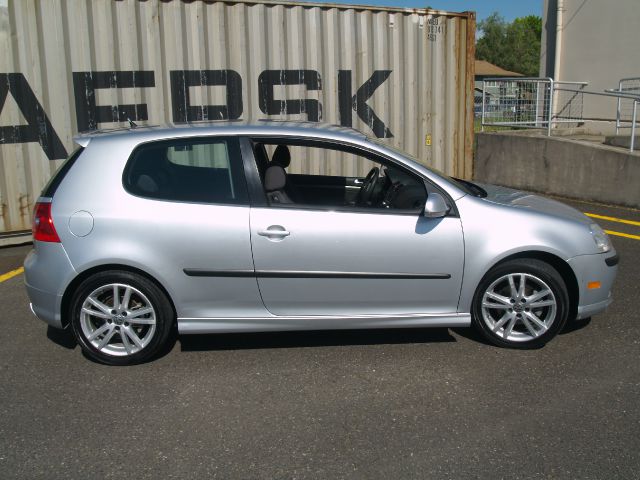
[258,198]
[236,167]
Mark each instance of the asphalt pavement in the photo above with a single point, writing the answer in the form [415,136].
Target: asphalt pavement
[428,403]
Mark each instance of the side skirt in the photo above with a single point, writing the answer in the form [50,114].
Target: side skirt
[282,323]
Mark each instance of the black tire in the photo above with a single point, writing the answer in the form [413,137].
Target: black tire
[152,336]
[534,270]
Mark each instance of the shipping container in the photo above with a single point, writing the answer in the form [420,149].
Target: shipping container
[402,75]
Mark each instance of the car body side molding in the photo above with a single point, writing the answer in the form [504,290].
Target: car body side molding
[199,272]
[195,272]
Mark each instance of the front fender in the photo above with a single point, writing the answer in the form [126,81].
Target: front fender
[493,233]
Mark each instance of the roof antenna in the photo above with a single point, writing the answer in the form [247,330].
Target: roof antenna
[132,124]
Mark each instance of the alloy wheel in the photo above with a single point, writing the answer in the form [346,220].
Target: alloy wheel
[118,319]
[519,307]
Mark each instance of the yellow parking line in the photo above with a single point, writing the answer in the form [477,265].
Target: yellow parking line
[6,276]
[613,219]
[620,234]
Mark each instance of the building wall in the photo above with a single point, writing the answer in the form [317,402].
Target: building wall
[600,45]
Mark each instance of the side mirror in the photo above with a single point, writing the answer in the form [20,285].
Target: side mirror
[436,206]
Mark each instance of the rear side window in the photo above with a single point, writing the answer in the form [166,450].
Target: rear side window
[55,181]
[188,170]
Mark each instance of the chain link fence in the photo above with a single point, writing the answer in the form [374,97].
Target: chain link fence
[531,102]
[510,102]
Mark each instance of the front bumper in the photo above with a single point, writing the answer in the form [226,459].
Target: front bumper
[586,311]
[602,268]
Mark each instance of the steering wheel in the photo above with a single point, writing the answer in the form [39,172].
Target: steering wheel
[368,186]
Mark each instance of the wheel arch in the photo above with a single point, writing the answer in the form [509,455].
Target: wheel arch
[560,265]
[82,276]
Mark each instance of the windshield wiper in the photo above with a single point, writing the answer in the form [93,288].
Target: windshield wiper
[472,188]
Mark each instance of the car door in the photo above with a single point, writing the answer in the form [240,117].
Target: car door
[187,223]
[315,260]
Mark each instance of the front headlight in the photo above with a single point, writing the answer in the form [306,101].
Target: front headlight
[600,237]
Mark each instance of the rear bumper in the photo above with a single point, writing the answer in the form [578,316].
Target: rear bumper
[45,306]
[589,269]
[47,271]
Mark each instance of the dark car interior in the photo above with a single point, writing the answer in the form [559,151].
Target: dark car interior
[152,175]
[384,187]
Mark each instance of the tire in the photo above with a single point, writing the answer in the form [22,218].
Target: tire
[129,331]
[507,317]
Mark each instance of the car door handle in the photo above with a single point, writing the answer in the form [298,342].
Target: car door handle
[273,233]
[357,181]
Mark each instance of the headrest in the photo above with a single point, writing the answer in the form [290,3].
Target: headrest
[275,178]
[147,184]
[281,156]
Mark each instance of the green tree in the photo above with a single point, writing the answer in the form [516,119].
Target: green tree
[514,46]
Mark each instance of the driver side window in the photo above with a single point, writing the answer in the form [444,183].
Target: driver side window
[296,174]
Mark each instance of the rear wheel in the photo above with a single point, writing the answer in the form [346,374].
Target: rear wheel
[521,303]
[120,318]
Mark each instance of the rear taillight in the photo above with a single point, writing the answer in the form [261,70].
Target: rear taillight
[43,229]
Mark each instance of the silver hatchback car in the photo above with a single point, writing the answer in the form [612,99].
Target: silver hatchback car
[275,226]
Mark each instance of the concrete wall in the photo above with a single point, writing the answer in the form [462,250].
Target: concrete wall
[599,45]
[560,166]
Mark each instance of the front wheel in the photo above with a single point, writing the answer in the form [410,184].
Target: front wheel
[120,318]
[521,303]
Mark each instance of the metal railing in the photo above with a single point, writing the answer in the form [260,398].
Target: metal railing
[542,103]
[568,102]
[627,105]
[515,102]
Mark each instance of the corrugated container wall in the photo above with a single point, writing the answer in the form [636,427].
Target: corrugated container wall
[405,76]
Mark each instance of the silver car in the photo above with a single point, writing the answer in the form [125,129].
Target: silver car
[273,226]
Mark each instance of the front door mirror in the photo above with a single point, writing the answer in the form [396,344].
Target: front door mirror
[436,206]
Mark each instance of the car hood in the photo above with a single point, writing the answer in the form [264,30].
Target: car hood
[520,199]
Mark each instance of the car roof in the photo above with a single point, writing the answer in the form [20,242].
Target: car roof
[241,127]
